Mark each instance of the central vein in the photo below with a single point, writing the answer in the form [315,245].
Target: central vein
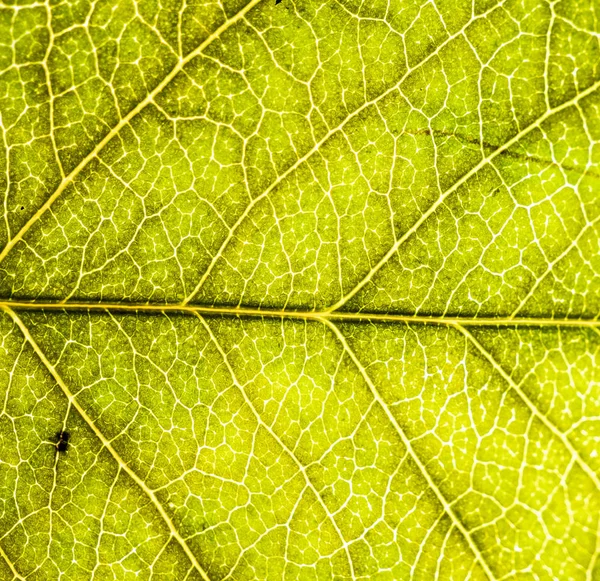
[469,321]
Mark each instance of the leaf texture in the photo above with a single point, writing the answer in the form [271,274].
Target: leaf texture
[313,287]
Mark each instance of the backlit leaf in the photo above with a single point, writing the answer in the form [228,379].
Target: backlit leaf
[312,286]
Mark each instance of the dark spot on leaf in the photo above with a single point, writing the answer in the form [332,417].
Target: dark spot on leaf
[22,207]
[62,441]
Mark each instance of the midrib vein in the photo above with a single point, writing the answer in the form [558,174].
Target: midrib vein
[326,315]
[121,463]
[122,123]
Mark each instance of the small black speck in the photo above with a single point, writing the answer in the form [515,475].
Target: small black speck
[22,207]
[63,441]
[277,1]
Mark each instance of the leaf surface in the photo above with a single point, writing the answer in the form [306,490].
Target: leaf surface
[313,287]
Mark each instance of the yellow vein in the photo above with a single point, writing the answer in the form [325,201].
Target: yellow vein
[532,407]
[551,264]
[467,176]
[320,143]
[441,498]
[121,463]
[300,466]
[124,121]
[364,316]
[10,565]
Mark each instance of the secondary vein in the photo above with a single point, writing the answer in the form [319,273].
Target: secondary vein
[532,407]
[447,506]
[124,121]
[121,463]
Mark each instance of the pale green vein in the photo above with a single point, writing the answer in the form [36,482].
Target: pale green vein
[465,178]
[302,315]
[10,565]
[105,442]
[299,465]
[532,407]
[122,123]
[405,440]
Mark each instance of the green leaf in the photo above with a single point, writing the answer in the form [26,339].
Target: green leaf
[313,287]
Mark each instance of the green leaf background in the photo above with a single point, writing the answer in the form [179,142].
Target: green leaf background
[314,287]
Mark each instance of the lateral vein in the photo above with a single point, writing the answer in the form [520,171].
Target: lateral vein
[473,171]
[407,443]
[10,565]
[532,407]
[260,421]
[122,123]
[122,464]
